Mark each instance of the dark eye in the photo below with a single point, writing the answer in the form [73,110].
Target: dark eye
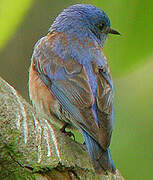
[101,26]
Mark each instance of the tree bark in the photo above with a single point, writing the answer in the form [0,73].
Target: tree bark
[31,147]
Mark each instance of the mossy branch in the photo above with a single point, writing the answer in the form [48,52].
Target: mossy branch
[31,147]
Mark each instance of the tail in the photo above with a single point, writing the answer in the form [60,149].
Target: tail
[101,159]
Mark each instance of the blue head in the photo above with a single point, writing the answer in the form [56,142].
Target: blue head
[84,19]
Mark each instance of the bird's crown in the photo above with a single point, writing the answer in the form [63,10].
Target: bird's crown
[84,15]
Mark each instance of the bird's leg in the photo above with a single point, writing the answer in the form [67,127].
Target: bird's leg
[63,128]
[69,133]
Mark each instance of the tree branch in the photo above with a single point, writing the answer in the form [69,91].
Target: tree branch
[31,147]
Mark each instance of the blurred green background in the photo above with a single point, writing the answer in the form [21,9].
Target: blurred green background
[130,56]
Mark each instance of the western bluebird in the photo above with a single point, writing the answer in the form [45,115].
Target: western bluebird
[70,78]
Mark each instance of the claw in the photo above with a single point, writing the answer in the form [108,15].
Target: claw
[69,133]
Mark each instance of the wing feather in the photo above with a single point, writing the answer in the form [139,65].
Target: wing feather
[67,80]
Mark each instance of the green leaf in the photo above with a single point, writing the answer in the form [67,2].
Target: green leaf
[133,19]
[12,13]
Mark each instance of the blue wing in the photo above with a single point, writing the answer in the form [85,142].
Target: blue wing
[83,88]
[68,82]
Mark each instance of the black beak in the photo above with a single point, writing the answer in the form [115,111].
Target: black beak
[112,31]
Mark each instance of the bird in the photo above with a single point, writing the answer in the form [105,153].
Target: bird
[69,78]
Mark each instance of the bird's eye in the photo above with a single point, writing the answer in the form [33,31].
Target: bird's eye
[101,26]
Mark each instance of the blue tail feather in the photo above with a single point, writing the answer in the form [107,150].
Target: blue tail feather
[101,159]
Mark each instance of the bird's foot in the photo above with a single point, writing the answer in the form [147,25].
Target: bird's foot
[69,133]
